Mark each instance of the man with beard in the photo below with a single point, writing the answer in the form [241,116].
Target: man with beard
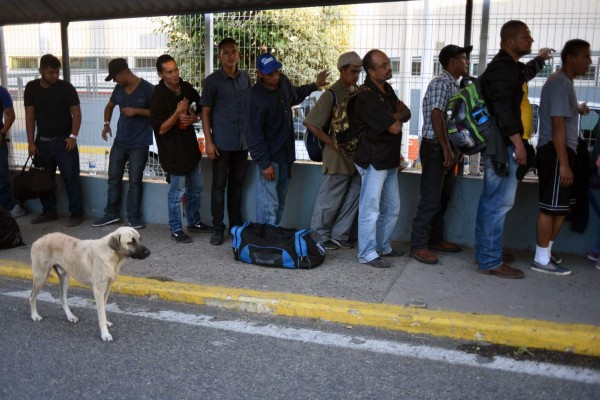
[377,114]
[505,86]
[52,106]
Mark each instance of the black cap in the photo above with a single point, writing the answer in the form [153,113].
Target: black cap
[450,51]
[114,67]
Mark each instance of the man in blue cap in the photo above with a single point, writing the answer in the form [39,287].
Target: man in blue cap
[269,133]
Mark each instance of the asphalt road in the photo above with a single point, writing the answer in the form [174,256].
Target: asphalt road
[177,351]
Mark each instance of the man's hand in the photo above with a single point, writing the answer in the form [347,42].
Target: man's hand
[71,144]
[211,151]
[32,149]
[106,131]
[598,161]
[583,108]
[269,173]
[566,175]
[182,106]
[322,78]
[546,53]
[449,160]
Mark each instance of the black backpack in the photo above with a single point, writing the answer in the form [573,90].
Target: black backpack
[314,146]
[10,234]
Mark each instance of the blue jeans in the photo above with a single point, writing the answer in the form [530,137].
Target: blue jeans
[378,210]
[137,158]
[270,195]
[496,201]
[189,184]
[5,194]
[53,154]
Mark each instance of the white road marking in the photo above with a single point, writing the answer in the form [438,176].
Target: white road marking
[309,336]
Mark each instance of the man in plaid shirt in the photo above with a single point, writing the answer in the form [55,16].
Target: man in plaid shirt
[437,158]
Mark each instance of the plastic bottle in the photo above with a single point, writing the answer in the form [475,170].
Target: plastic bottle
[466,137]
[92,167]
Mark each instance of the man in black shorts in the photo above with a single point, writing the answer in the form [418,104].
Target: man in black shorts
[556,153]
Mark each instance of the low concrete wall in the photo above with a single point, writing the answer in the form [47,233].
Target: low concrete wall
[306,178]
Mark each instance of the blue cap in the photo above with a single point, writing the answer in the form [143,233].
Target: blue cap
[267,63]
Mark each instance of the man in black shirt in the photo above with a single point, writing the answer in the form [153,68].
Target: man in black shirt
[172,115]
[52,106]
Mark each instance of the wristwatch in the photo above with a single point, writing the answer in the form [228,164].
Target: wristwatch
[73,136]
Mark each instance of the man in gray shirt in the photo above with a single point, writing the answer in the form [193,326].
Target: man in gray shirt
[557,146]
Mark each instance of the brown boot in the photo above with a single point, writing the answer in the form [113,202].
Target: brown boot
[424,255]
[448,247]
[503,271]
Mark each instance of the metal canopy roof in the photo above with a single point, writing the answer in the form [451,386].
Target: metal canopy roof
[38,11]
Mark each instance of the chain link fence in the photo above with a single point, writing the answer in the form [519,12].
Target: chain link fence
[306,41]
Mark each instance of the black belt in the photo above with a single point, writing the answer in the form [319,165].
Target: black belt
[49,139]
[429,140]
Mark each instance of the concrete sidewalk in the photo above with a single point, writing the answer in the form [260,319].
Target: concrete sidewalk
[449,299]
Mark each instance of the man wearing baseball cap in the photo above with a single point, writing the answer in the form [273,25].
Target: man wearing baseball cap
[270,135]
[134,134]
[336,204]
[437,158]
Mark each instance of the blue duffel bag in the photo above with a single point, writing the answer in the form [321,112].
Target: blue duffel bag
[274,246]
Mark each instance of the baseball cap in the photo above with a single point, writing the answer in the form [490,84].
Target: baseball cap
[450,51]
[114,67]
[267,63]
[349,58]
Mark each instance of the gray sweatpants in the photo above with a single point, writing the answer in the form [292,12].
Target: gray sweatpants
[336,206]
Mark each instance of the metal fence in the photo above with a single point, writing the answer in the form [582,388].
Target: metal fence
[306,40]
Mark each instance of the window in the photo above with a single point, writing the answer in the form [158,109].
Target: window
[395,62]
[415,68]
[145,62]
[474,67]
[89,62]
[23,62]
[437,67]
[546,71]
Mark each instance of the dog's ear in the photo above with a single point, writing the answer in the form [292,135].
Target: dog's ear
[115,242]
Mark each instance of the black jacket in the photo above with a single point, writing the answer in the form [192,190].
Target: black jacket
[178,149]
[503,81]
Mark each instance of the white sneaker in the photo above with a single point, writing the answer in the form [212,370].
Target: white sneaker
[17,211]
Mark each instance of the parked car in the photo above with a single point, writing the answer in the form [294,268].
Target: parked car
[300,111]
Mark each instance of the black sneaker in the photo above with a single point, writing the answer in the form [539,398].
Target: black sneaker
[44,218]
[393,253]
[200,228]
[180,237]
[379,263]
[105,220]
[344,244]
[329,245]
[136,223]
[217,238]
[75,220]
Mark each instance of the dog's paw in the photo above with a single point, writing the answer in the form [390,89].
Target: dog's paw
[107,337]
[36,317]
[72,318]
[109,324]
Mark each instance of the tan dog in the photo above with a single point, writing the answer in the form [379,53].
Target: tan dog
[92,262]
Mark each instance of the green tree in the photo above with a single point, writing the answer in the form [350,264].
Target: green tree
[304,40]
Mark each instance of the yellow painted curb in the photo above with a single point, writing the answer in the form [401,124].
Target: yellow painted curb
[576,338]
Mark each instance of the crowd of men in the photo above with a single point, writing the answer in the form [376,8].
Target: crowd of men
[241,119]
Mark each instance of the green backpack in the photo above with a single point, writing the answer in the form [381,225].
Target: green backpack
[468,119]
